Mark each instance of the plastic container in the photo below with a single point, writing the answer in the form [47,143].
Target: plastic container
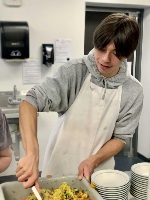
[15,191]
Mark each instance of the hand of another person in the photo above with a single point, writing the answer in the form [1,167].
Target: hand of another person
[86,168]
[27,170]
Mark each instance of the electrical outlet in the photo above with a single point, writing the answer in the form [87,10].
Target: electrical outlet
[13,3]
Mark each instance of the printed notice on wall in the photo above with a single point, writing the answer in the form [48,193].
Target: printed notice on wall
[62,50]
[31,72]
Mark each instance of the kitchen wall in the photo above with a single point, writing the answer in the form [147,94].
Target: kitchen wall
[120,3]
[144,127]
[48,20]
[52,19]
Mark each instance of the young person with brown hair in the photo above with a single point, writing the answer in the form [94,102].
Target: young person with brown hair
[99,105]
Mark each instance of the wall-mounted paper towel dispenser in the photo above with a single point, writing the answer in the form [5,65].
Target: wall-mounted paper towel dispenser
[14,40]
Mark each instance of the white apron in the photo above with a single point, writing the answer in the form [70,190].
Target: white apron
[82,130]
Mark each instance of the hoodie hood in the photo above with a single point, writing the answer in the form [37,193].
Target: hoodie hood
[110,83]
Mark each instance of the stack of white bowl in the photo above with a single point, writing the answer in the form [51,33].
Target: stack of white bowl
[111,184]
[139,180]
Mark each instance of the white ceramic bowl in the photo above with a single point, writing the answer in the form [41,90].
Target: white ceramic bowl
[110,178]
[142,169]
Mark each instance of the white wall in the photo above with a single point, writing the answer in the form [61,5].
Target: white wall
[49,20]
[144,127]
[120,3]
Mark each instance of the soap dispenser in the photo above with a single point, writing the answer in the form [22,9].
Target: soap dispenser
[48,54]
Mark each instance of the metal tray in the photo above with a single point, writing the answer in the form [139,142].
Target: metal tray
[15,191]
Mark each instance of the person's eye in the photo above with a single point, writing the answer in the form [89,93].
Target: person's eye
[115,53]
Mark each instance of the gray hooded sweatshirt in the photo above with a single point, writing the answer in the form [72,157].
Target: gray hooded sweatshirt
[58,92]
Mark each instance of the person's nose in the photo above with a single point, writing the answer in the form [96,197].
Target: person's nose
[106,57]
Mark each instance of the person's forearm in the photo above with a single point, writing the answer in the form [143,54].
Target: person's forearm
[4,163]
[111,148]
[27,168]
[87,166]
[5,159]
[28,127]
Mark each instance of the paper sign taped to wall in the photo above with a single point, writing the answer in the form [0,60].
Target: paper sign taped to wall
[31,72]
[62,50]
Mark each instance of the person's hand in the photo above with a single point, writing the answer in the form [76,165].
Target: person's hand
[27,170]
[86,168]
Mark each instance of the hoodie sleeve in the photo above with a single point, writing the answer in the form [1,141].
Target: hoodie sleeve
[58,92]
[130,110]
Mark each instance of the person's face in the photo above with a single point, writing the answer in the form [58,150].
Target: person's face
[106,60]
